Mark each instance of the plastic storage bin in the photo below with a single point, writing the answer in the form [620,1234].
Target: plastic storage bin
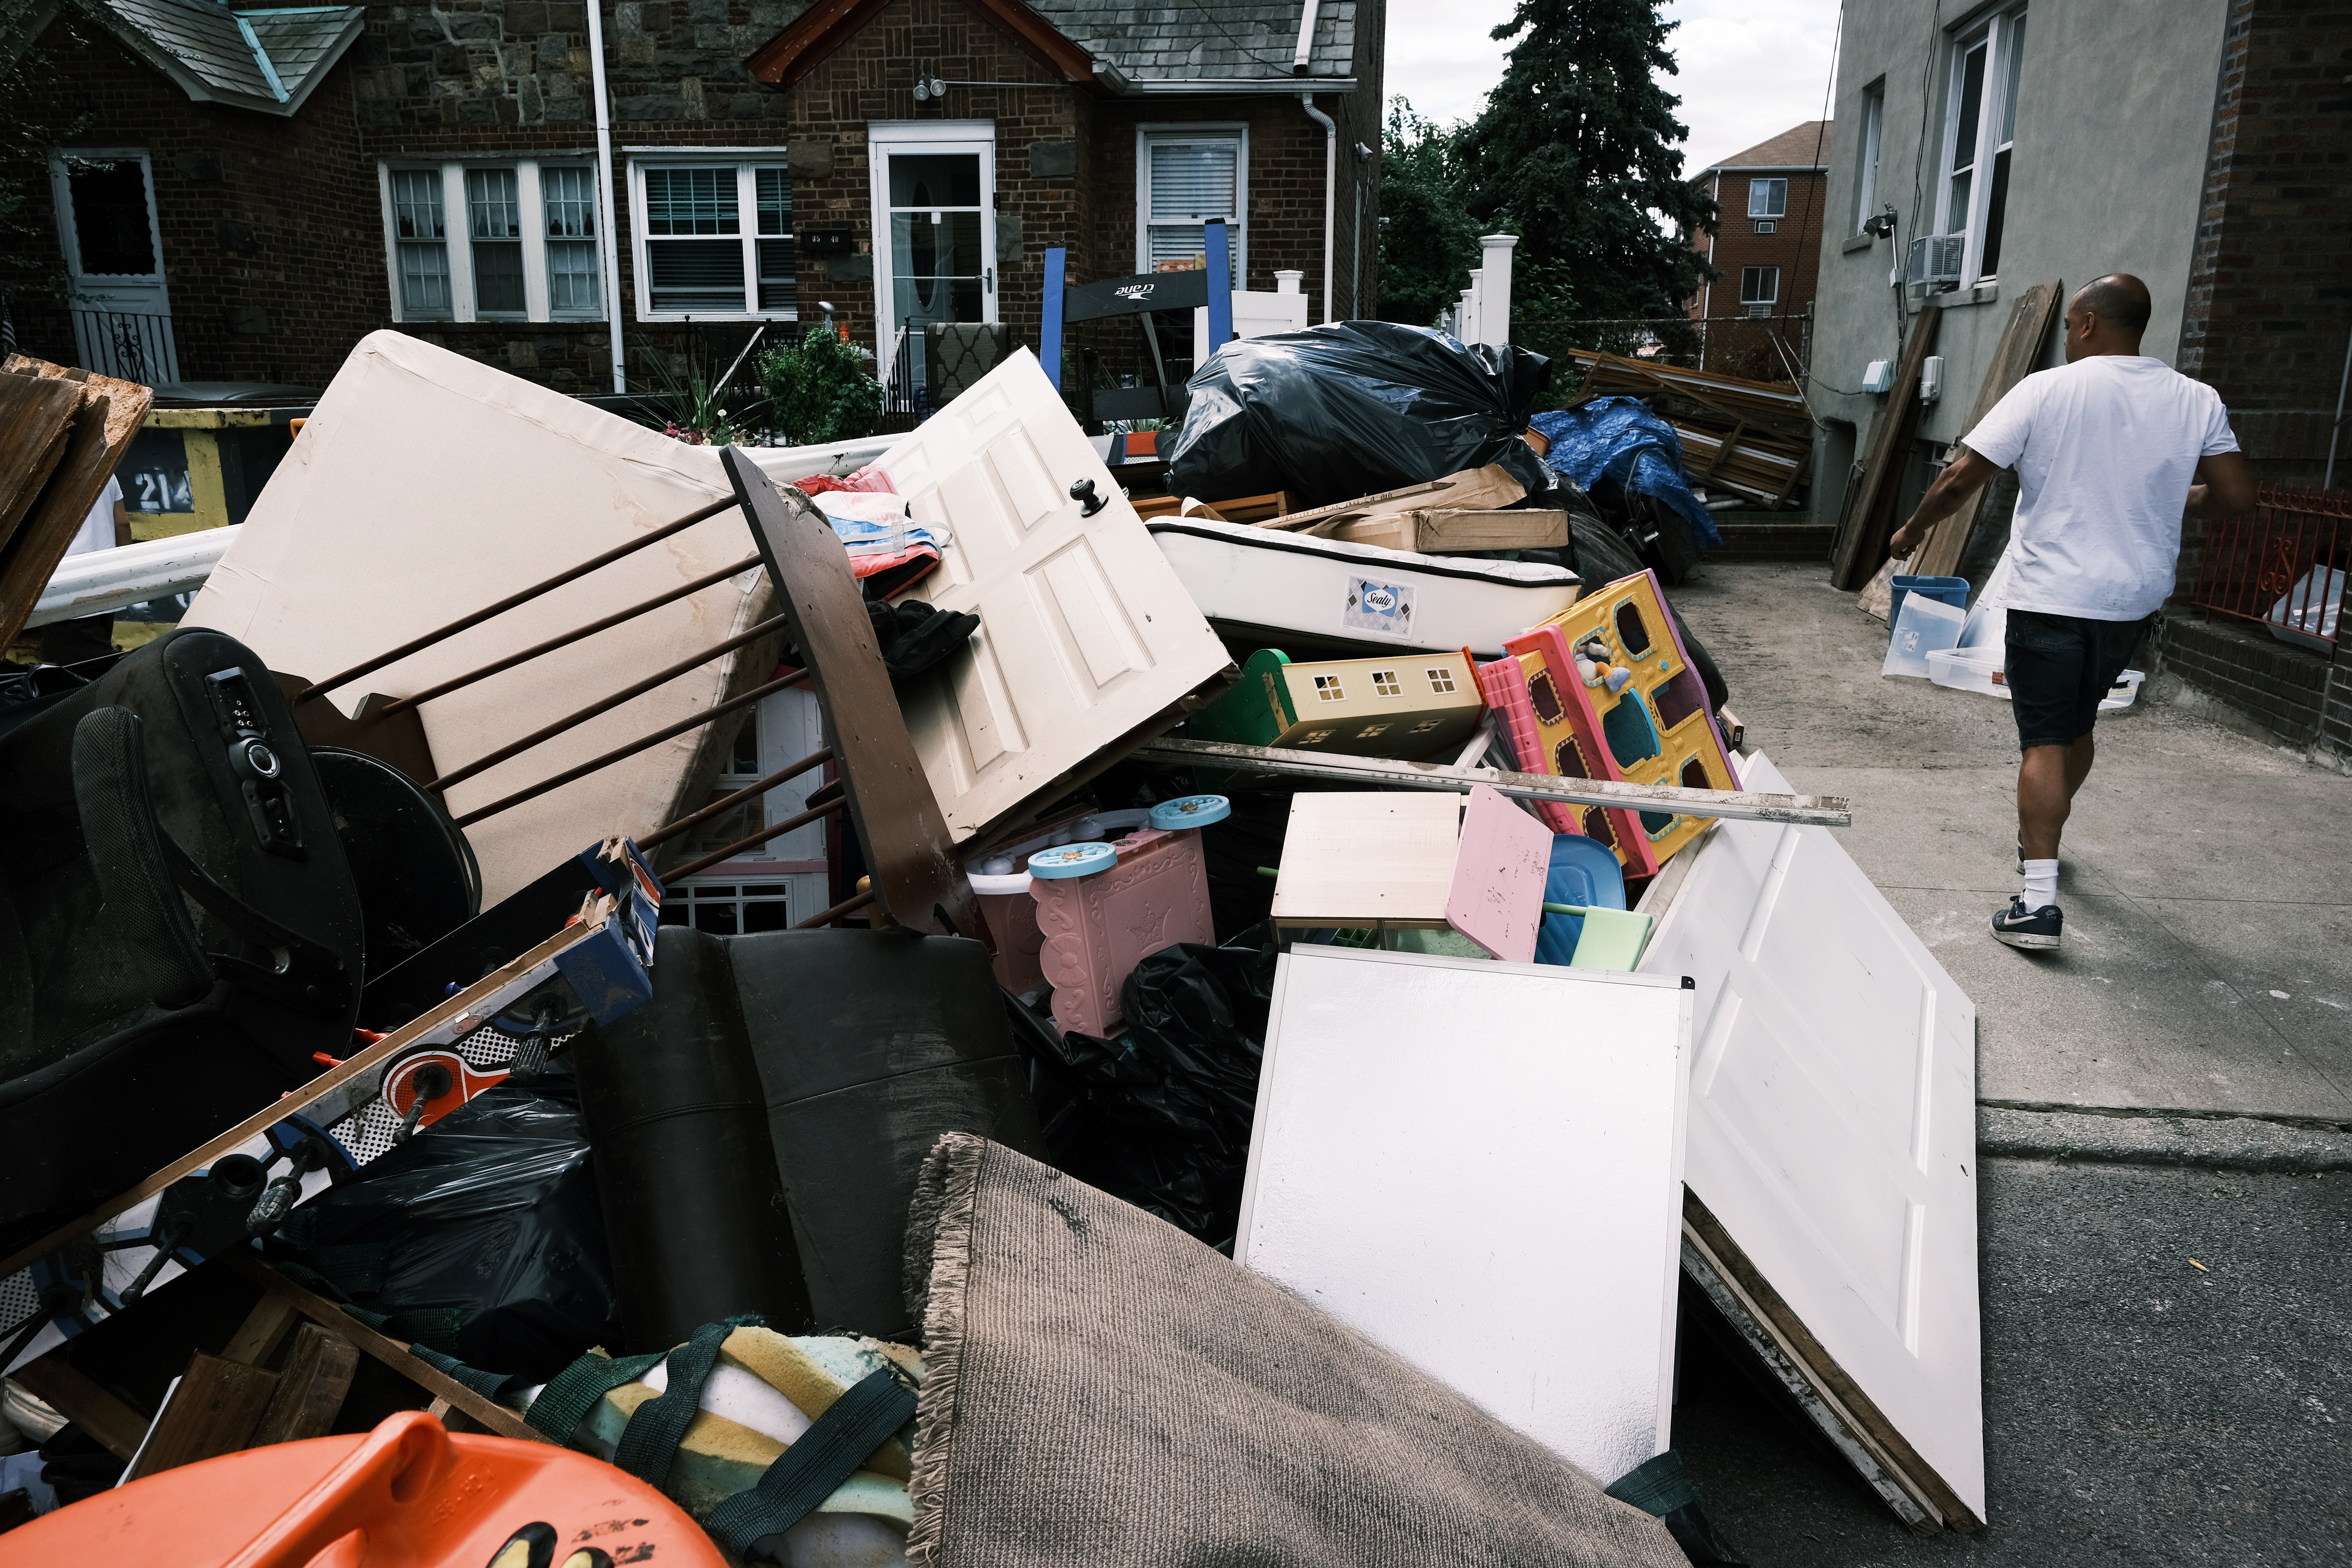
[1952,591]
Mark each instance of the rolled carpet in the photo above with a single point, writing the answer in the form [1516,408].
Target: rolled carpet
[1106,1392]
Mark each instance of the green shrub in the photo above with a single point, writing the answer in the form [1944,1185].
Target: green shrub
[822,390]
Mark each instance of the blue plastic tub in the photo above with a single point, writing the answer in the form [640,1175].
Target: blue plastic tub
[1952,591]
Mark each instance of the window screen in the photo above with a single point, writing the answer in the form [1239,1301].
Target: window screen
[686,272]
[422,241]
[777,289]
[1759,285]
[1767,198]
[569,198]
[494,223]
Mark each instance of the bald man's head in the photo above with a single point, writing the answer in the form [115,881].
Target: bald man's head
[2118,298]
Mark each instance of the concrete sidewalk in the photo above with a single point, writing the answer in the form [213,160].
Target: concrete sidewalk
[2206,878]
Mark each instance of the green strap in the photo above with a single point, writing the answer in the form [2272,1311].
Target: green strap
[571,1394]
[649,1442]
[813,1468]
[1658,1487]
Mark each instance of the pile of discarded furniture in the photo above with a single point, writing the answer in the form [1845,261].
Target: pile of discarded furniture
[1280,988]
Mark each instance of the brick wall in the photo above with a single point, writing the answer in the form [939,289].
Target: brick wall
[265,221]
[2280,689]
[1795,248]
[2270,300]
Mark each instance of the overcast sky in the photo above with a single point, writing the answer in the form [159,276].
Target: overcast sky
[1746,68]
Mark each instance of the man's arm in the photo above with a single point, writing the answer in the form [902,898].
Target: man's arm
[1959,479]
[2224,488]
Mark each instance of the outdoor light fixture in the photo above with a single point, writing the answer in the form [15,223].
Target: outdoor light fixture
[929,86]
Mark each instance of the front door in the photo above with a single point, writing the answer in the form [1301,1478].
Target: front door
[934,238]
[114,263]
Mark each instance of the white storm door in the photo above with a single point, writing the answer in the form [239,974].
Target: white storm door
[934,193]
[1832,1118]
[114,263]
[1085,631]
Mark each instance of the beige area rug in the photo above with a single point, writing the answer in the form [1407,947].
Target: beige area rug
[1104,1392]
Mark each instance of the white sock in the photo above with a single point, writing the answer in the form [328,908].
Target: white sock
[2040,884]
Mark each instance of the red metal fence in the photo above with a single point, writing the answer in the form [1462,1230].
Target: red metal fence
[2285,563]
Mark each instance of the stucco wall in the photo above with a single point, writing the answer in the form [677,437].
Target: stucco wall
[2115,116]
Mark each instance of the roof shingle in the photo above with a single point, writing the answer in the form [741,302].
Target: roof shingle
[1805,146]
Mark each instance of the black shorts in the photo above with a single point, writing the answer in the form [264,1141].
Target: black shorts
[2060,668]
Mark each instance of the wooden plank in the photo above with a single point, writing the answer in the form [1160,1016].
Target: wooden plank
[449,1011]
[264,1329]
[311,1390]
[109,414]
[212,1412]
[1381,773]
[495,1418]
[1296,520]
[1453,531]
[68,1390]
[2013,359]
[907,847]
[34,414]
[1861,546]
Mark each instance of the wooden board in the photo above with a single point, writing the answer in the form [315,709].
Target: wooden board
[34,411]
[1833,1138]
[1478,1166]
[1497,897]
[1085,631]
[311,1390]
[1370,860]
[107,415]
[909,850]
[68,1391]
[212,1411]
[2013,359]
[1448,532]
[1863,543]
[1379,772]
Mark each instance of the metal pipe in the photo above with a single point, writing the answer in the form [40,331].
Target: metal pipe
[632,749]
[567,638]
[754,840]
[1330,172]
[610,231]
[603,704]
[463,623]
[1302,58]
[728,802]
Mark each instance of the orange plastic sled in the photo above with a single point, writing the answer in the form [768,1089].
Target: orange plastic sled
[407,1495]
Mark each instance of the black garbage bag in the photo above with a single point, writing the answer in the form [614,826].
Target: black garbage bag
[481,1237]
[1355,408]
[1160,1116]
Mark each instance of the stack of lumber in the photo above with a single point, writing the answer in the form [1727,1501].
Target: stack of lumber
[1748,438]
[61,434]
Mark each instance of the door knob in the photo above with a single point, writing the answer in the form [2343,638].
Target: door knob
[1083,491]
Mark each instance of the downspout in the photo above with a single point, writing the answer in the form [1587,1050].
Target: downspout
[609,229]
[1330,172]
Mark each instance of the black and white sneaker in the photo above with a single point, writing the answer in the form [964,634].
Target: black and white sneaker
[2038,930]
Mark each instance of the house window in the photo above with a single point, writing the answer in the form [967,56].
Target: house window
[1185,177]
[1441,679]
[1328,689]
[1385,684]
[1767,198]
[529,233]
[1873,122]
[714,239]
[1980,126]
[1760,289]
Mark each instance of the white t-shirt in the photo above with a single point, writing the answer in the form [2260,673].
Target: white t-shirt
[2105,450]
[97,531]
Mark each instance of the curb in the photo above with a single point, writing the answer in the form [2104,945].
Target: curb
[2163,1138]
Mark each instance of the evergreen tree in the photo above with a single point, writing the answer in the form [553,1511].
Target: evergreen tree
[1575,152]
[1428,243]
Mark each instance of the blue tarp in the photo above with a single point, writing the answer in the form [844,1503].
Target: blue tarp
[1619,438]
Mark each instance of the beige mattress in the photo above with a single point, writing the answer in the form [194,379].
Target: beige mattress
[427,485]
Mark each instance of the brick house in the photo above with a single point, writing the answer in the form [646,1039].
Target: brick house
[2209,157]
[291,179]
[1766,251]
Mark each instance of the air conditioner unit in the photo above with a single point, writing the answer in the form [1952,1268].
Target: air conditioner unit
[1935,260]
[1767,225]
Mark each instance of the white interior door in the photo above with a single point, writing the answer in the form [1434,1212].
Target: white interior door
[114,261]
[1833,1119]
[934,190]
[1085,631]
[1478,1165]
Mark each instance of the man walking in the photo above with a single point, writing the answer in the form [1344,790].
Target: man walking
[2109,450]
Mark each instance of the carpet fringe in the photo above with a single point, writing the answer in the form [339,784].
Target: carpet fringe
[939,1265]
